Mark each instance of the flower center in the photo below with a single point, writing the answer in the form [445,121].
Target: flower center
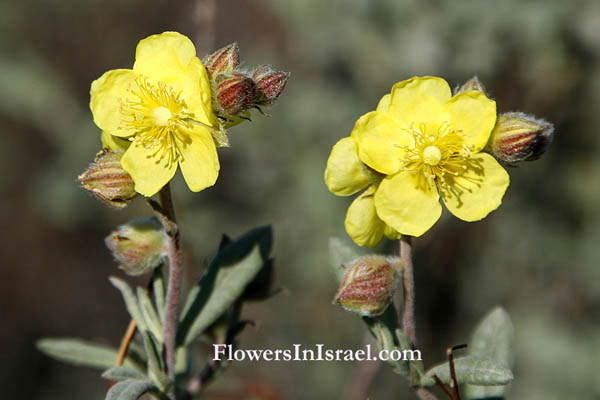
[157,117]
[161,115]
[432,155]
[439,154]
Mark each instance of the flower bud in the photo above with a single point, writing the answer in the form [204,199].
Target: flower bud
[235,93]
[270,83]
[368,285]
[139,246]
[107,180]
[225,59]
[472,84]
[519,137]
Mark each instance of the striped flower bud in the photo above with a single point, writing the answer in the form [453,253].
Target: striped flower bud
[519,137]
[138,246]
[472,84]
[225,59]
[235,93]
[270,83]
[368,285]
[107,180]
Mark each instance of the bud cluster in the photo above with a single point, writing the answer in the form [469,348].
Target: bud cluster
[516,136]
[235,91]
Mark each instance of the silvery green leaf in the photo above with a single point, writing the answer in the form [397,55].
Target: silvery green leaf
[383,327]
[121,373]
[131,389]
[131,302]
[223,282]
[158,286]
[492,338]
[342,251]
[149,313]
[155,362]
[79,352]
[471,369]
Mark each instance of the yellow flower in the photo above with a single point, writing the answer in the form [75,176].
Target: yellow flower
[160,113]
[419,145]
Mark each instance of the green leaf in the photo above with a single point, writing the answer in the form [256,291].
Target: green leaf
[131,389]
[383,328]
[150,317]
[79,352]
[492,338]
[131,302]
[224,281]
[118,374]
[155,361]
[342,251]
[471,369]
[158,286]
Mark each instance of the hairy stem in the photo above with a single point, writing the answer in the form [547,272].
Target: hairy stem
[175,280]
[408,313]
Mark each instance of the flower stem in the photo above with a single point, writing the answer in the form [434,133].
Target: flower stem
[175,280]
[408,313]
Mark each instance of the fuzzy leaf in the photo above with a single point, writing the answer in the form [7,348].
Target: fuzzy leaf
[118,374]
[79,352]
[149,313]
[492,338]
[341,252]
[471,369]
[158,285]
[130,389]
[155,362]
[131,302]
[383,327]
[224,281]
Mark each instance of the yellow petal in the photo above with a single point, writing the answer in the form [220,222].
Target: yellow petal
[196,92]
[114,143]
[391,233]
[362,223]
[381,142]
[164,57]
[479,190]
[106,96]
[474,114]
[384,103]
[345,173]
[200,163]
[406,206]
[147,170]
[419,100]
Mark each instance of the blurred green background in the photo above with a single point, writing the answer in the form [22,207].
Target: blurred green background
[538,255]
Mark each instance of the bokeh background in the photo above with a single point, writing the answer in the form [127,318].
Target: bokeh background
[537,256]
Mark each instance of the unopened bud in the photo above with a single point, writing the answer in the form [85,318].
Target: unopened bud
[225,59]
[107,180]
[520,137]
[472,84]
[139,246]
[368,285]
[270,83]
[235,93]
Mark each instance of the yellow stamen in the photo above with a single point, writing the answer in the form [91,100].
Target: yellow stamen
[156,116]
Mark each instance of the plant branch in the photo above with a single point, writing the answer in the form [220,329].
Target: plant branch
[408,313]
[175,277]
